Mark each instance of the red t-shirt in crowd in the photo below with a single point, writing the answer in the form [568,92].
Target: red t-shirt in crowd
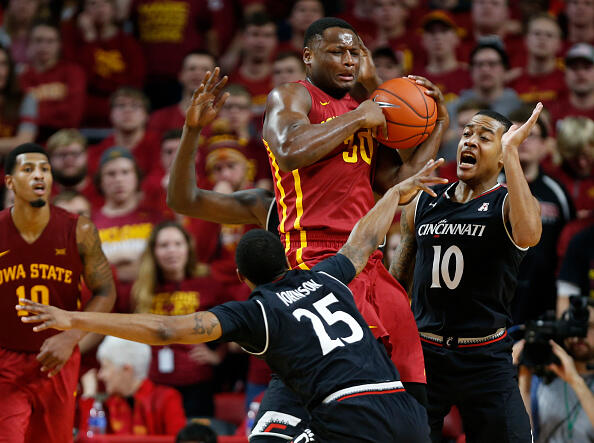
[181,298]
[157,410]
[168,30]
[47,271]
[562,108]
[450,83]
[146,153]
[259,89]
[109,65]
[60,93]
[165,119]
[545,88]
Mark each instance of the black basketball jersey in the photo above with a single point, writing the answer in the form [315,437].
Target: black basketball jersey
[307,328]
[466,265]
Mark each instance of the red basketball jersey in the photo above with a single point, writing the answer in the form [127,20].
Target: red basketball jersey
[47,271]
[324,201]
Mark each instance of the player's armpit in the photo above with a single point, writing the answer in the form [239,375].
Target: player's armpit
[403,263]
[96,270]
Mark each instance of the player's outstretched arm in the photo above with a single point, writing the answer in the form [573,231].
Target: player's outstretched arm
[294,141]
[151,329]
[369,232]
[521,209]
[390,170]
[183,195]
[403,263]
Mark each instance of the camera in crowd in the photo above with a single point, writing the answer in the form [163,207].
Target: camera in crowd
[537,352]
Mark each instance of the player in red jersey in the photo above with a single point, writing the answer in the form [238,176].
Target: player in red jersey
[327,167]
[44,253]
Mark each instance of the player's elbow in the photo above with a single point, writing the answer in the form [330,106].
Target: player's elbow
[286,160]
[529,237]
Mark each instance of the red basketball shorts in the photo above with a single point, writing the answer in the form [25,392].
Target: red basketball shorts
[33,407]
[384,305]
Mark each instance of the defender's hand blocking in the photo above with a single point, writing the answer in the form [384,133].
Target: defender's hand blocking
[421,181]
[48,316]
[207,100]
[517,134]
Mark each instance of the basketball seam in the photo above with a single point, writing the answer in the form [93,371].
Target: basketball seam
[426,107]
[409,126]
[404,101]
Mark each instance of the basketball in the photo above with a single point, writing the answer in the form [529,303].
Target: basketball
[410,113]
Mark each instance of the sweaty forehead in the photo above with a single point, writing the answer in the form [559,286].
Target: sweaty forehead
[341,36]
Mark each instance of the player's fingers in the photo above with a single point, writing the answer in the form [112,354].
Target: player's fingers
[220,85]
[42,327]
[206,78]
[535,113]
[427,189]
[56,369]
[220,102]
[28,304]
[213,80]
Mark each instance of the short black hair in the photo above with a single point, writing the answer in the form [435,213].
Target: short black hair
[497,116]
[523,113]
[25,148]
[319,26]
[493,43]
[172,134]
[196,432]
[260,256]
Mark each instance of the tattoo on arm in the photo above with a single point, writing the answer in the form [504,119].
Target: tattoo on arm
[403,263]
[204,324]
[96,269]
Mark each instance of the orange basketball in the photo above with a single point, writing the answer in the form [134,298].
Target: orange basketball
[410,113]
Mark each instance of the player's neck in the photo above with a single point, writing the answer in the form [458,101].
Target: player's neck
[30,221]
[466,191]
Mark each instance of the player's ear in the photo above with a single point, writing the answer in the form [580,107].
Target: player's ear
[8,182]
[239,276]
[307,55]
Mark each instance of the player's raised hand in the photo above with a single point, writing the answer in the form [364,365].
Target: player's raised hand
[48,316]
[517,134]
[421,181]
[207,100]
[435,93]
[367,72]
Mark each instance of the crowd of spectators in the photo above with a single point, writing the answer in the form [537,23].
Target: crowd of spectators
[103,85]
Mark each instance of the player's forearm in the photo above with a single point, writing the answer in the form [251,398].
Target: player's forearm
[181,189]
[585,397]
[369,232]
[102,301]
[151,329]
[403,263]
[524,210]
[305,144]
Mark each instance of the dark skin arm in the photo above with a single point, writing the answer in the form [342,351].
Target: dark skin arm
[204,326]
[151,329]
[183,195]
[294,141]
[403,265]
[390,170]
[56,350]
[369,232]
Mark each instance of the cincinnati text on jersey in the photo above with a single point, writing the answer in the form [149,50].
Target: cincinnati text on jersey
[291,296]
[36,270]
[443,228]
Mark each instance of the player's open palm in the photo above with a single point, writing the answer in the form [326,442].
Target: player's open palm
[48,316]
[517,134]
[207,100]
[421,181]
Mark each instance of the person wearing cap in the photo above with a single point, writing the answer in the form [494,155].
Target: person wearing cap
[488,65]
[124,224]
[440,38]
[579,79]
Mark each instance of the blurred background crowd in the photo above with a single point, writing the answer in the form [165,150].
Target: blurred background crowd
[103,85]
